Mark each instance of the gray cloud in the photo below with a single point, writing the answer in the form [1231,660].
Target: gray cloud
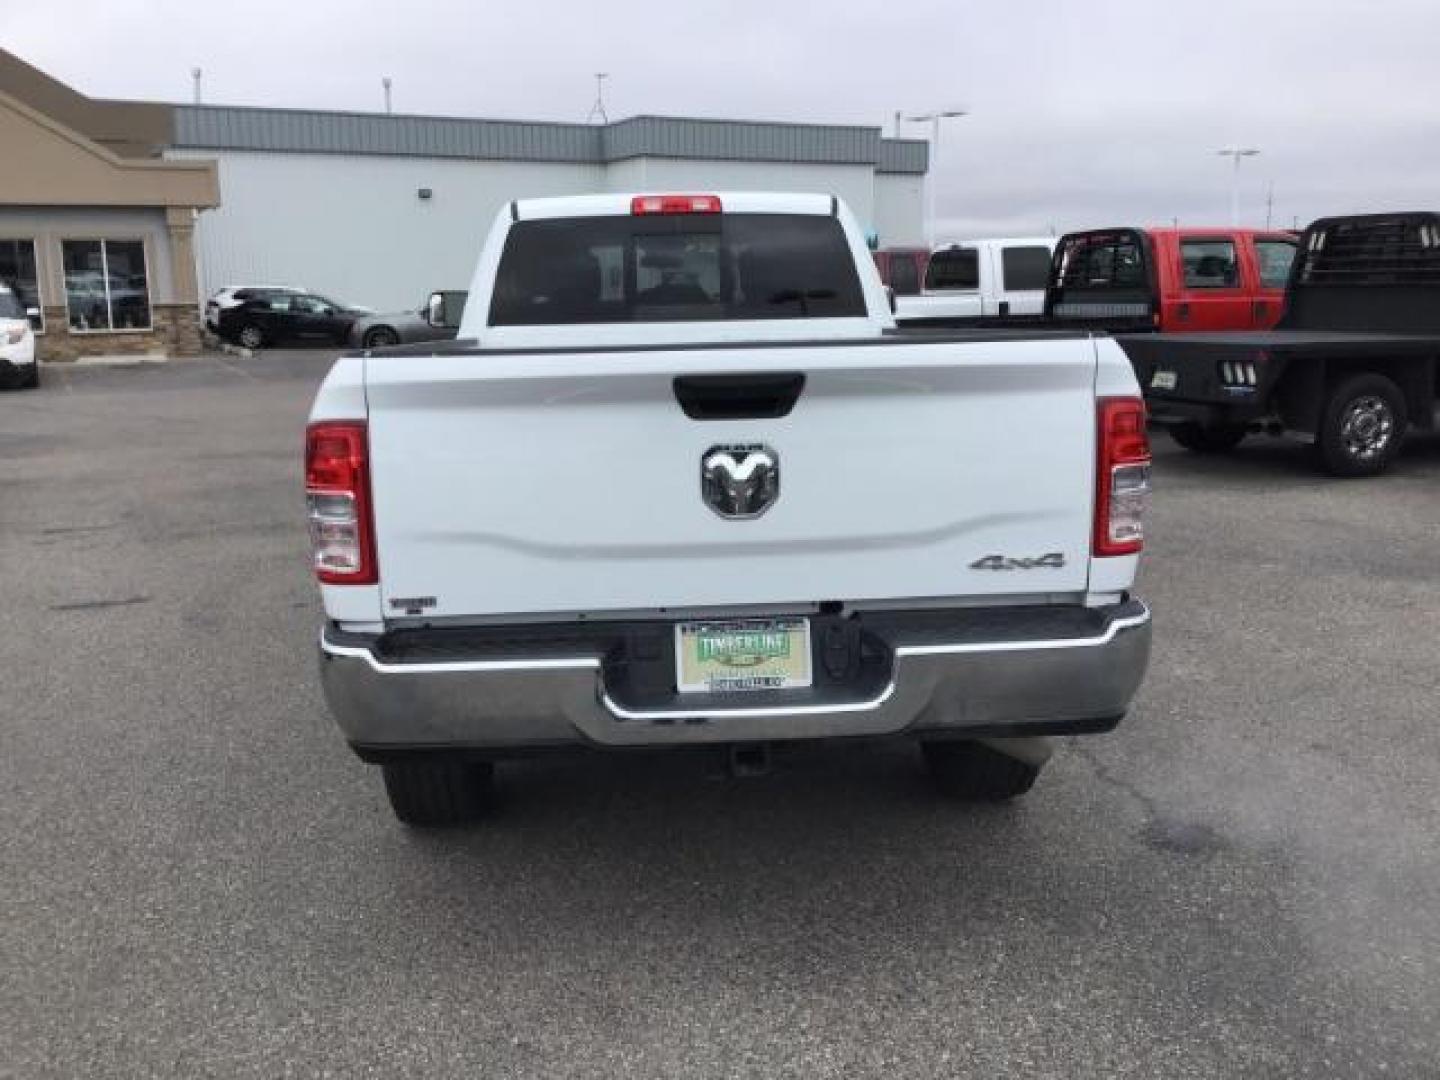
[1082,113]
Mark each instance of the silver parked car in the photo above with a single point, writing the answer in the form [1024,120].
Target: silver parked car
[403,327]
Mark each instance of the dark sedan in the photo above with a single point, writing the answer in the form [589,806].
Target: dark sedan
[264,317]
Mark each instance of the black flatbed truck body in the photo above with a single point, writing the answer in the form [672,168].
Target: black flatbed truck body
[1292,369]
[1363,302]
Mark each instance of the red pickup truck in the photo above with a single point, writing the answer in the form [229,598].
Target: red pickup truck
[1173,279]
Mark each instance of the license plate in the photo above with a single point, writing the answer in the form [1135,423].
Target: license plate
[1163,380]
[740,655]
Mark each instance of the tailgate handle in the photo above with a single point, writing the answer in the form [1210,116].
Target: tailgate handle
[738,397]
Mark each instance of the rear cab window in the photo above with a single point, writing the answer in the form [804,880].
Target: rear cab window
[675,268]
[952,269]
[1101,261]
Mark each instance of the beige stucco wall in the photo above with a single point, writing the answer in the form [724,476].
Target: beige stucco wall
[57,184]
[129,128]
[47,164]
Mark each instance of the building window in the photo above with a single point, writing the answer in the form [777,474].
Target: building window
[17,271]
[106,287]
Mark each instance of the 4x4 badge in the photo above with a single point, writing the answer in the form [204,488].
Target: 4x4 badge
[1053,561]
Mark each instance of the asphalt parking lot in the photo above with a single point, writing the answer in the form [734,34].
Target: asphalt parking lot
[199,880]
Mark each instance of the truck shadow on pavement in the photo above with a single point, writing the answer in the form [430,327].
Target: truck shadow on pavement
[1268,458]
[654,891]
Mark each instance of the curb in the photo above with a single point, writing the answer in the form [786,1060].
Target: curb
[212,343]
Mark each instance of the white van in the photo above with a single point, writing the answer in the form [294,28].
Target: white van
[972,280]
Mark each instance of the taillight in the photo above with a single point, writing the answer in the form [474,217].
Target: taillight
[337,499]
[1122,477]
[675,204]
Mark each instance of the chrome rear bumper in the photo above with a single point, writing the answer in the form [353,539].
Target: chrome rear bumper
[1024,678]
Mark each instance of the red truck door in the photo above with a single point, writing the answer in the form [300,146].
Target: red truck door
[1213,292]
[1271,257]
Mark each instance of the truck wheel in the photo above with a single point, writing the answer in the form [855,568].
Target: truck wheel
[252,337]
[1362,426]
[976,773]
[431,792]
[1208,440]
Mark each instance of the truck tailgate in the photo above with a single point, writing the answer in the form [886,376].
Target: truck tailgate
[563,482]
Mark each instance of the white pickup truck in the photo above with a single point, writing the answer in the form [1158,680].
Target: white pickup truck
[987,282]
[679,481]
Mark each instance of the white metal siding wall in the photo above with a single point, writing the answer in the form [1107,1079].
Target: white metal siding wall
[353,227]
[900,209]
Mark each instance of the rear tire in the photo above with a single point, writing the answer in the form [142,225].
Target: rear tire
[1362,426]
[381,337]
[435,792]
[973,772]
[251,337]
[32,380]
[1198,439]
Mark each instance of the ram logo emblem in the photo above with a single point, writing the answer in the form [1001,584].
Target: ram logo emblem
[740,481]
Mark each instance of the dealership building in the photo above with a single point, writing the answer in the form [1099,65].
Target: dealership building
[118,218]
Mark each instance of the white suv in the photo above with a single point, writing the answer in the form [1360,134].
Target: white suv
[18,366]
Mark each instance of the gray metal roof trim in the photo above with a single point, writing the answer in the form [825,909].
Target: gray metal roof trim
[302,131]
[733,140]
[223,127]
[904,156]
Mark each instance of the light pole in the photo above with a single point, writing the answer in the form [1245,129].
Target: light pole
[1235,153]
[934,120]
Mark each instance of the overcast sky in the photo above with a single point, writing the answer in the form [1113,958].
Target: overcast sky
[1083,112]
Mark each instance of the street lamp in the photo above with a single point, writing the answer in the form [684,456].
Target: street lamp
[1235,153]
[934,120]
